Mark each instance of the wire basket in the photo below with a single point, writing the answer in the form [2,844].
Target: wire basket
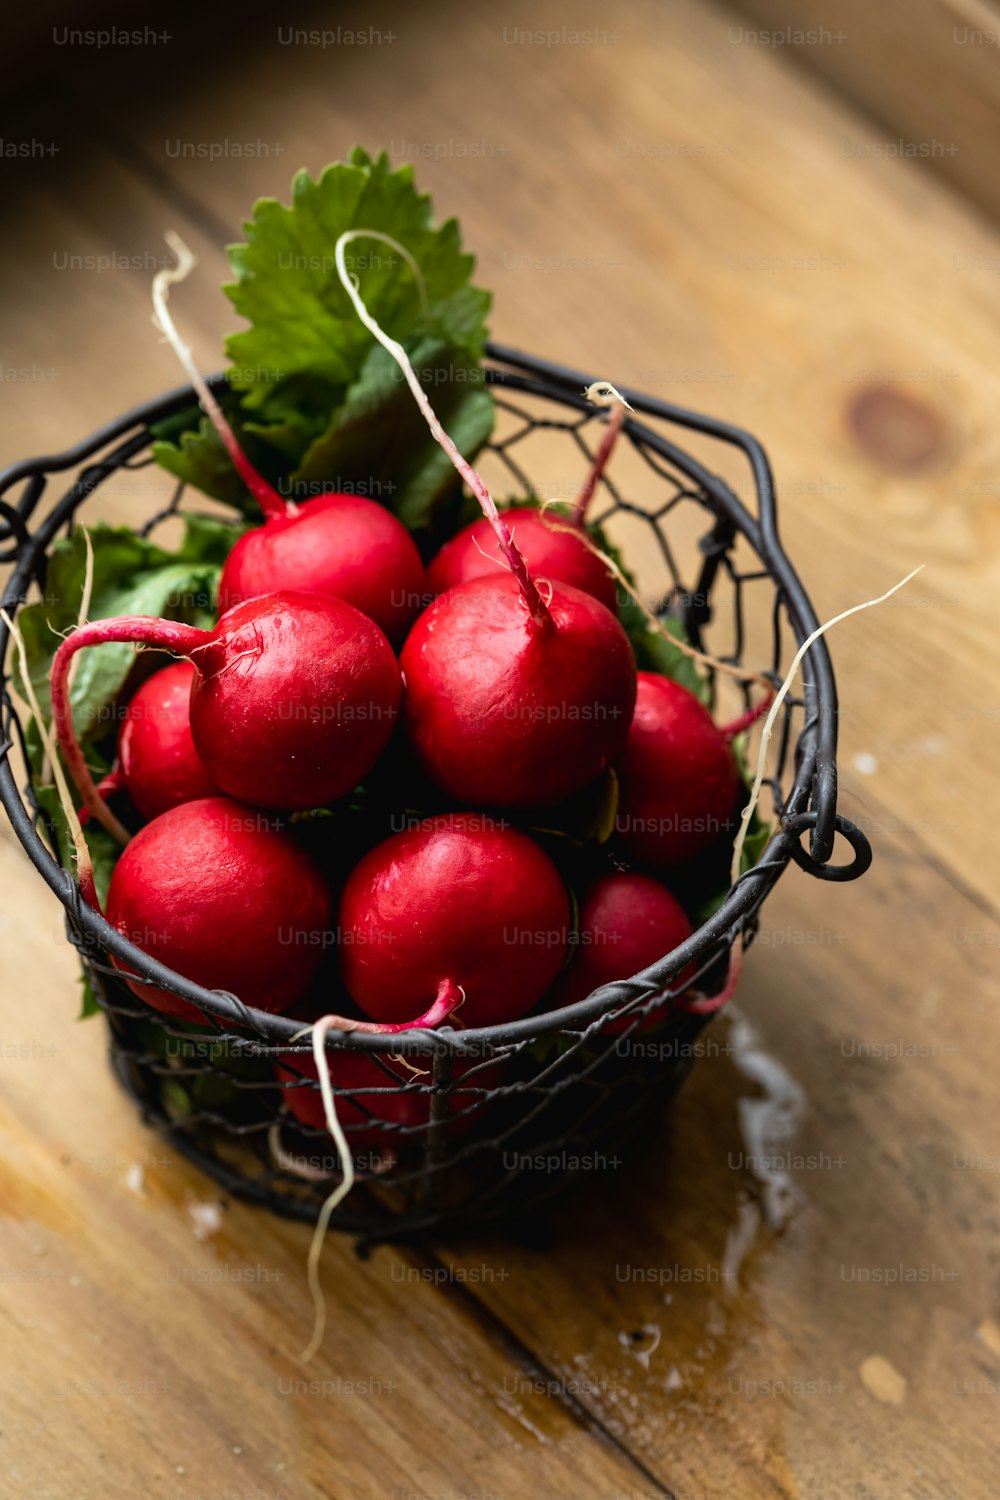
[509,1115]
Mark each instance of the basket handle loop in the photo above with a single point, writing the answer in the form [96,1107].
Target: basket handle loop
[797,823]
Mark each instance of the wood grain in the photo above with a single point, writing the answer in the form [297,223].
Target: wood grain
[676,212]
[926,70]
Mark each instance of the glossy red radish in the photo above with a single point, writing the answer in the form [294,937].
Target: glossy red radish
[552,544]
[226,898]
[159,765]
[627,921]
[549,548]
[458,898]
[513,699]
[293,700]
[341,546]
[679,783]
[381,1092]
[505,711]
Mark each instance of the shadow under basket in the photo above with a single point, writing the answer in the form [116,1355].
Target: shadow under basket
[497,1120]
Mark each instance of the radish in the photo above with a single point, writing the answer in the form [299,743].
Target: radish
[678,777]
[456,899]
[506,710]
[550,551]
[293,699]
[160,768]
[627,922]
[380,1096]
[226,898]
[513,699]
[553,548]
[341,546]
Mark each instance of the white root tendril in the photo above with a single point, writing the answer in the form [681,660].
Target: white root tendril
[741,674]
[319,1032]
[536,607]
[779,698]
[296,1165]
[84,863]
[164,279]
[268,500]
[601,393]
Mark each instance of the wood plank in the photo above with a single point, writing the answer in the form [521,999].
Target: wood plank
[853,329]
[790,1291]
[704,259]
[926,70]
[147,1351]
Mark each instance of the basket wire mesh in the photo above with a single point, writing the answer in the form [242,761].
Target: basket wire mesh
[511,1114]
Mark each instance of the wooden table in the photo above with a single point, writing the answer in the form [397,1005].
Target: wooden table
[701,1327]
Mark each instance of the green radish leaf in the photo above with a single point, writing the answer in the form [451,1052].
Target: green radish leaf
[89,1005]
[654,653]
[199,459]
[288,289]
[315,402]
[188,446]
[378,444]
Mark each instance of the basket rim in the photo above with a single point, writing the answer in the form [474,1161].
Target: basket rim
[815,770]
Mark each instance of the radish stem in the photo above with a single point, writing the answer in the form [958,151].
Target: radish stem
[84,863]
[167,635]
[270,502]
[708,1005]
[746,720]
[537,610]
[602,393]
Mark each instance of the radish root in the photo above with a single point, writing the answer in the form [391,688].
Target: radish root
[84,863]
[270,502]
[779,698]
[449,997]
[740,674]
[537,609]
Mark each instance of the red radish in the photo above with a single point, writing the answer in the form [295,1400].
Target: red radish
[341,546]
[552,546]
[293,700]
[380,1095]
[550,549]
[457,898]
[679,781]
[505,712]
[513,699]
[160,768]
[362,1120]
[627,922]
[227,899]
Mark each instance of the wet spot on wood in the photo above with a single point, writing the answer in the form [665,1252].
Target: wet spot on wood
[882,1380]
[896,430]
[988,1333]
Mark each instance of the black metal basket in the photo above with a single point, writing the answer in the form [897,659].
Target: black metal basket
[548,1098]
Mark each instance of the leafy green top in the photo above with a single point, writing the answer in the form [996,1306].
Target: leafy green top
[309,389]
